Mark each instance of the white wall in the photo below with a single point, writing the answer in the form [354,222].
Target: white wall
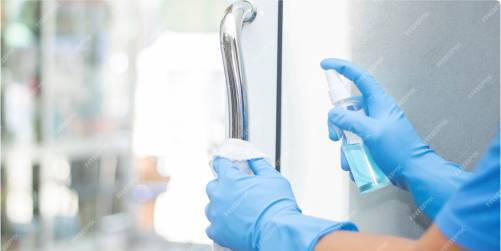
[309,159]
[440,60]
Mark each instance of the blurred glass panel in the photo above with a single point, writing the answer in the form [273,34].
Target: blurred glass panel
[110,110]
[179,112]
[179,117]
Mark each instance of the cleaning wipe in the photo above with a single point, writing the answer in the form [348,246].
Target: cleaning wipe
[239,151]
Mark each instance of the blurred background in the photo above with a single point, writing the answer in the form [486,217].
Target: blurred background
[110,109]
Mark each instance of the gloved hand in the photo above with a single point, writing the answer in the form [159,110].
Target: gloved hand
[394,143]
[259,212]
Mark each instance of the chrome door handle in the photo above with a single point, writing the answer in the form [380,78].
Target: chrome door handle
[235,16]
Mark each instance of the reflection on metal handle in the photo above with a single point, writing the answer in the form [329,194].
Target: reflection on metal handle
[234,18]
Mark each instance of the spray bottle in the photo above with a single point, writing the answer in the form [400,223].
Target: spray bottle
[366,173]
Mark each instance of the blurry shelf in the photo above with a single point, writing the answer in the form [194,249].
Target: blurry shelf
[76,147]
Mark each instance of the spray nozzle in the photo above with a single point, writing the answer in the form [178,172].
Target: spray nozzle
[338,89]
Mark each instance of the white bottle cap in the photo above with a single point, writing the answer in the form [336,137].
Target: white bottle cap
[338,89]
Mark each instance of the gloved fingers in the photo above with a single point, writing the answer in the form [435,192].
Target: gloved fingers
[211,188]
[364,81]
[215,235]
[225,168]
[207,213]
[352,121]
[335,133]
[210,232]
[261,167]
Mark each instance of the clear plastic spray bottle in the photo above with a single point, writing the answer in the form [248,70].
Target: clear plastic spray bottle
[366,173]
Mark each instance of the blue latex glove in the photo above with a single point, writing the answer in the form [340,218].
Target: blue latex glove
[394,143]
[259,212]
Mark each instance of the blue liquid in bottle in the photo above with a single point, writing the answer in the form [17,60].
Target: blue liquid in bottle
[366,173]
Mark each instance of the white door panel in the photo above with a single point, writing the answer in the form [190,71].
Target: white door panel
[259,45]
[310,161]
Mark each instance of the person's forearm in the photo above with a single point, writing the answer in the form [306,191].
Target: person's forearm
[432,239]
[354,241]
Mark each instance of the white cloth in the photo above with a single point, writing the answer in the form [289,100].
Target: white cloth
[239,151]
